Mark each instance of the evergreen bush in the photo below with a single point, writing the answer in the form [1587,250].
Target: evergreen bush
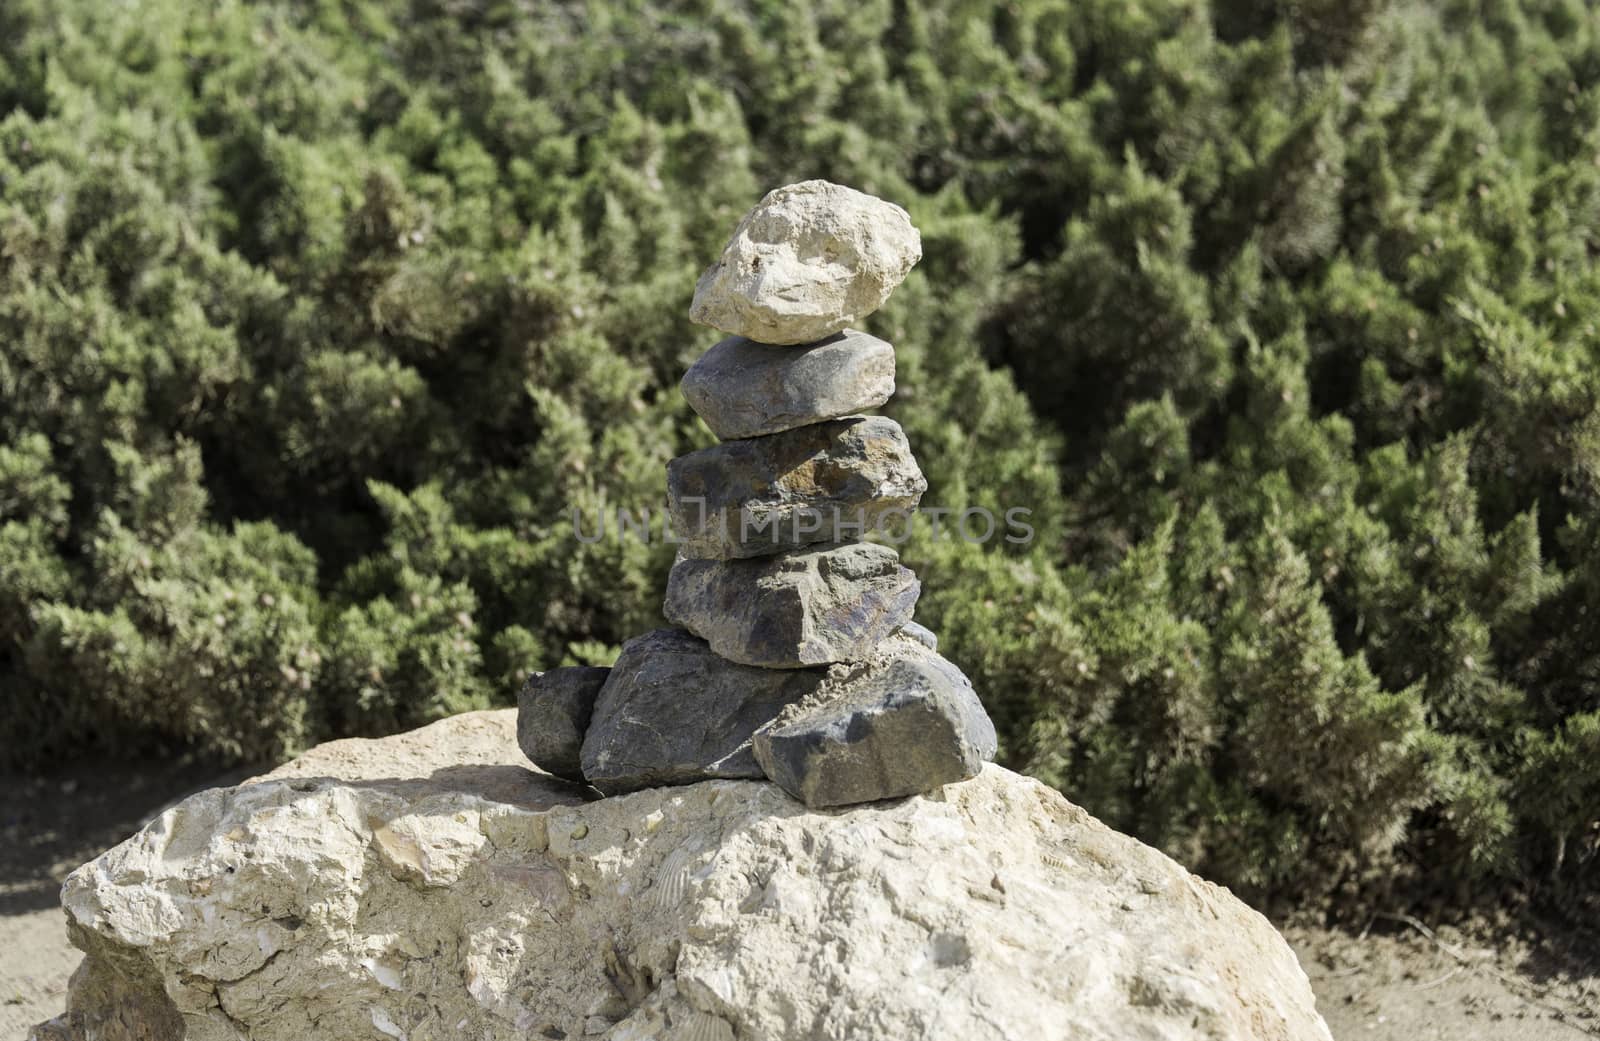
[318,317]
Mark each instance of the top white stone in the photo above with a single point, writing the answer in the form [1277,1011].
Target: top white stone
[809,260]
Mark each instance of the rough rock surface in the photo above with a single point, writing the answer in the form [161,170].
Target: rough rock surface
[553,710]
[746,389]
[909,727]
[428,887]
[809,260]
[805,607]
[767,494]
[674,712]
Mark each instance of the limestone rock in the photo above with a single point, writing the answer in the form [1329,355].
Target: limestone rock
[809,260]
[804,607]
[674,712]
[431,887]
[745,389]
[553,710]
[764,495]
[911,726]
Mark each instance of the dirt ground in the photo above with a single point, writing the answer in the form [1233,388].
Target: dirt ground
[1395,980]
[48,826]
[1400,980]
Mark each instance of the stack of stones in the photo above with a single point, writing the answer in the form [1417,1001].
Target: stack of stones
[796,657]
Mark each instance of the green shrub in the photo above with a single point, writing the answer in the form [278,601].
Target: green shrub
[317,319]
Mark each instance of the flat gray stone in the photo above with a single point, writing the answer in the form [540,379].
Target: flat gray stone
[553,710]
[803,607]
[820,483]
[901,727]
[673,712]
[742,388]
[809,260]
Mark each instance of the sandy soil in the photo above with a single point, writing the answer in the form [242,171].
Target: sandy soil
[1396,980]
[48,826]
[1399,980]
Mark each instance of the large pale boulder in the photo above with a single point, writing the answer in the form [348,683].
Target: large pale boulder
[809,260]
[432,887]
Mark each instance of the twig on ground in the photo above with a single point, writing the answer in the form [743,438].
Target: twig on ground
[1434,983]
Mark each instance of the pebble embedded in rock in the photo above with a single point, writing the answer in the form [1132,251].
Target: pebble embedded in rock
[804,607]
[811,259]
[904,727]
[747,389]
[820,483]
[553,710]
[920,633]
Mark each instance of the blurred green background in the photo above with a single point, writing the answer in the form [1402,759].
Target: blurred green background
[317,318]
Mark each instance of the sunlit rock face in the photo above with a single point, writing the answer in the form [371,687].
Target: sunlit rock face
[433,886]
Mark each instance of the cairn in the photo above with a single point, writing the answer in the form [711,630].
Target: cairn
[796,657]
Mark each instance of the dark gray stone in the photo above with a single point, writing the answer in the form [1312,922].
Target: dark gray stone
[819,483]
[746,389]
[906,726]
[673,712]
[553,710]
[804,607]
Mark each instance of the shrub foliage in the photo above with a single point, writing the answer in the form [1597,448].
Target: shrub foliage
[317,318]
